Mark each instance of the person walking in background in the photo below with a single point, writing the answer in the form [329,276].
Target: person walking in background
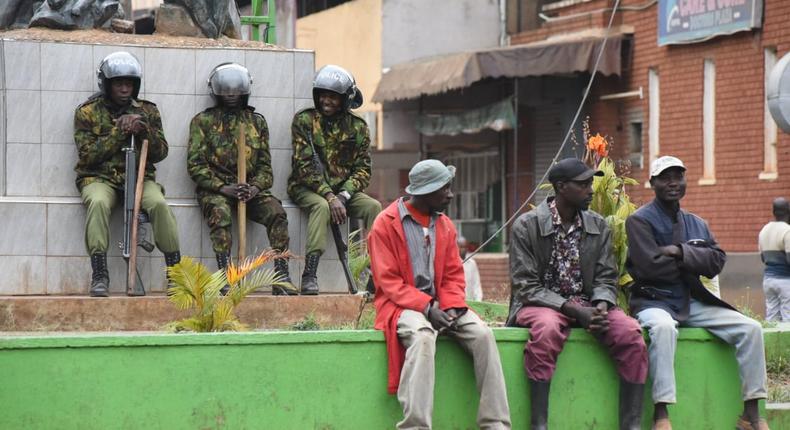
[774,245]
[474,290]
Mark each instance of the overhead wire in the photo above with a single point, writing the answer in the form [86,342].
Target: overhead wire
[564,141]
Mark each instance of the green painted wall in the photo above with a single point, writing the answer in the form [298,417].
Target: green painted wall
[317,380]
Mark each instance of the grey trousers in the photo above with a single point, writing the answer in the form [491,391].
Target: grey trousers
[415,392]
[777,298]
[744,333]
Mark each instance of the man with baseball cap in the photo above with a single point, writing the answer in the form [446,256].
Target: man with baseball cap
[420,293]
[564,274]
[668,250]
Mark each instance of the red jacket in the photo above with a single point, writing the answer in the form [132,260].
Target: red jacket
[394,280]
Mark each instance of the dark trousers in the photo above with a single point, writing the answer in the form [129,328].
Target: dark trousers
[549,330]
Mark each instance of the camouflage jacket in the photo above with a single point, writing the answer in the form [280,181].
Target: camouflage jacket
[343,146]
[100,143]
[212,157]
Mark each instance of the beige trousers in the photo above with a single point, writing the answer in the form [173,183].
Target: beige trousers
[415,392]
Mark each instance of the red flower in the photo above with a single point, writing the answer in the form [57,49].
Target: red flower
[598,145]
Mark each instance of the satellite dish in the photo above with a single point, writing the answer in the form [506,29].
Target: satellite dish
[778,93]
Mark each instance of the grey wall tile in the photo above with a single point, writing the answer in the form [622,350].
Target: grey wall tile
[101,51]
[177,111]
[274,72]
[68,275]
[281,167]
[207,59]
[66,230]
[2,69]
[23,174]
[190,230]
[301,104]
[157,278]
[57,170]
[2,144]
[279,114]
[22,65]
[330,277]
[304,71]
[169,71]
[23,116]
[202,102]
[23,229]
[67,67]
[58,115]
[22,275]
[118,273]
[172,174]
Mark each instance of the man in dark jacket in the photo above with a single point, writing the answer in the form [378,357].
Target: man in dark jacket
[669,250]
[564,274]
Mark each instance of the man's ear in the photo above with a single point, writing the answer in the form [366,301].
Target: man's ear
[651,181]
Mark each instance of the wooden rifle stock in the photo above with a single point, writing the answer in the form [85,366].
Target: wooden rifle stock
[131,281]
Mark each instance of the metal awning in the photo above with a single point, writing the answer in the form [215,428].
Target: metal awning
[496,116]
[561,55]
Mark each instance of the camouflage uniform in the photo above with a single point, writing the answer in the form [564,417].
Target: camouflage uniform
[343,145]
[102,165]
[212,162]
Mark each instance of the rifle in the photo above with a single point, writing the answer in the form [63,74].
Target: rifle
[340,244]
[241,174]
[133,193]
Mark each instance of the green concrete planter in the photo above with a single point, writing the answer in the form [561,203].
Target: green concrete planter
[317,380]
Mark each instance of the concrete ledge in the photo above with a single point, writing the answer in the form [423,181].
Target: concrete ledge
[121,313]
[318,380]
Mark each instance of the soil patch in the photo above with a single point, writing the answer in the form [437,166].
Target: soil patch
[104,37]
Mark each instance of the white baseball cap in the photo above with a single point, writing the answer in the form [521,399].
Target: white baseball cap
[663,163]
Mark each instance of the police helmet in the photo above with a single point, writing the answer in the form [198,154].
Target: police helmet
[338,80]
[230,79]
[119,64]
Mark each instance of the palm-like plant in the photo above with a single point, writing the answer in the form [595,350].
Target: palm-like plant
[358,258]
[611,201]
[194,287]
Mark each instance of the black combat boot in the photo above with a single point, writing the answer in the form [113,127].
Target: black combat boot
[309,277]
[631,405]
[100,278]
[222,264]
[539,404]
[171,259]
[287,288]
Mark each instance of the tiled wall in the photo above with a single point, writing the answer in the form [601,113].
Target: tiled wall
[42,247]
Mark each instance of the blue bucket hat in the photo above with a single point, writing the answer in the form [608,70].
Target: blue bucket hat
[428,176]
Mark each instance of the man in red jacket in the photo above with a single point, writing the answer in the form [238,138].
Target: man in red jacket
[420,294]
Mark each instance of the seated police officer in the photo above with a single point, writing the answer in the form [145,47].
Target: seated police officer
[212,162]
[103,126]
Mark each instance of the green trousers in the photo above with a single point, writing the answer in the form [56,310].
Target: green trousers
[100,198]
[263,209]
[360,206]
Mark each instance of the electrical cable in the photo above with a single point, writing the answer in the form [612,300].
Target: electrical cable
[564,141]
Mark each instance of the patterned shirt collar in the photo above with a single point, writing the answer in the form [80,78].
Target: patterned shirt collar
[556,220]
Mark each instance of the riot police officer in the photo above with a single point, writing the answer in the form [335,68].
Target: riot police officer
[342,143]
[212,162]
[103,126]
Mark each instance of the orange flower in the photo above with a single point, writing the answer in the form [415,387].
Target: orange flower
[235,272]
[598,145]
